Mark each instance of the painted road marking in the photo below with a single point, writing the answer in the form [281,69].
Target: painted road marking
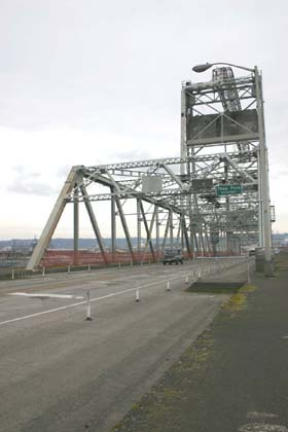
[262,427]
[73,305]
[47,295]
[252,415]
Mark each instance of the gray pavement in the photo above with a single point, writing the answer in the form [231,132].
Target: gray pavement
[59,372]
[234,378]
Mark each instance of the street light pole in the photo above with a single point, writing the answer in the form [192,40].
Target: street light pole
[205,66]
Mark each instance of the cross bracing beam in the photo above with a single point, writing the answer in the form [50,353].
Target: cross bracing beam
[130,193]
[148,229]
[212,86]
[217,100]
[94,222]
[147,196]
[125,227]
[154,162]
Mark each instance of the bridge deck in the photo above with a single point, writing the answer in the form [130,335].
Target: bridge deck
[61,372]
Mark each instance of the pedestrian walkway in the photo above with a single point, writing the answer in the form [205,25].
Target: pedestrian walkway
[234,377]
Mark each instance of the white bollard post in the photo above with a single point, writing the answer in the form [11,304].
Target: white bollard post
[13,274]
[186,280]
[137,295]
[168,287]
[68,268]
[43,271]
[88,312]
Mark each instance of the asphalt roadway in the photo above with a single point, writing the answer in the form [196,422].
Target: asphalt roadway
[60,372]
[234,377]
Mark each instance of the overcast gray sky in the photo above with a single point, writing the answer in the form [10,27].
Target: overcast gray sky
[83,82]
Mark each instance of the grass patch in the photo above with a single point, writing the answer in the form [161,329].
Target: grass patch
[248,288]
[237,301]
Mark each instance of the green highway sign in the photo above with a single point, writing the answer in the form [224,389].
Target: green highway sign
[228,189]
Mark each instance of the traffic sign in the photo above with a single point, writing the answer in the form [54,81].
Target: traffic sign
[228,189]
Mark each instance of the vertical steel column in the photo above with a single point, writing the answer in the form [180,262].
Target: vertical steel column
[264,197]
[157,230]
[94,223]
[182,234]
[138,201]
[178,233]
[208,243]
[186,236]
[75,224]
[166,231]
[189,203]
[184,167]
[196,246]
[199,238]
[171,228]
[113,226]
[183,148]
[228,234]
[76,218]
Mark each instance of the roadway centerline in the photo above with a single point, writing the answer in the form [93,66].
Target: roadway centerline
[95,299]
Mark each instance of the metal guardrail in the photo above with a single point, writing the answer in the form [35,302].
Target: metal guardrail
[201,266]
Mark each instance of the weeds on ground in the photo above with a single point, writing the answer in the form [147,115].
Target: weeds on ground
[237,301]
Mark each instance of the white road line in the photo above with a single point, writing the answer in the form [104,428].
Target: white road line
[46,295]
[61,308]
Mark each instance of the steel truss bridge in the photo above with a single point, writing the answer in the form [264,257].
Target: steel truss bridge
[178,201]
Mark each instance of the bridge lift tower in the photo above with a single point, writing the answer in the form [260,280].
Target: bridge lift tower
[224,119]
[213,199]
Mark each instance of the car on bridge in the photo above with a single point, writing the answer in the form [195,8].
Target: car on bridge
[173,256]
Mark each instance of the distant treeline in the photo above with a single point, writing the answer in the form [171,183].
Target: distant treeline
[88,243]
[62,243]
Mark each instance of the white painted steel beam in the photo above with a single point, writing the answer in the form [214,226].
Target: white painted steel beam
[53,220]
